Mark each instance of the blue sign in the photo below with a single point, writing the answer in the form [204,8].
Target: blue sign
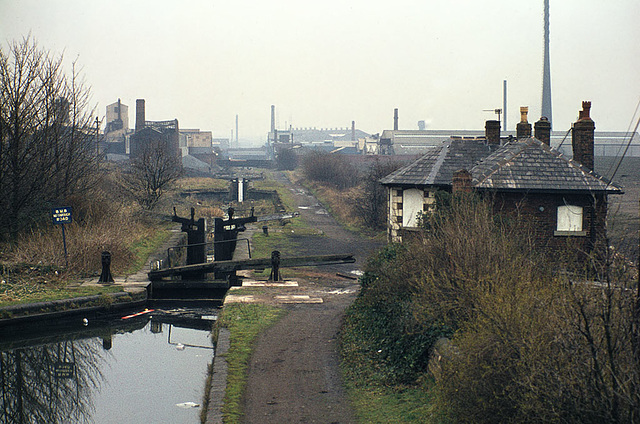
[61,215]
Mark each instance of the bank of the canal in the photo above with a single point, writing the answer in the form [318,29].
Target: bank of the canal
[132,294]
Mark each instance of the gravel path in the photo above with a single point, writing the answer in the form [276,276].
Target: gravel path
[294,374]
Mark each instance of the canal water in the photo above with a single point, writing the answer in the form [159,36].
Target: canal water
[149,368]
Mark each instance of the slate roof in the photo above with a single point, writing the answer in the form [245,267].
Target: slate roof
[530,165]
[437,166]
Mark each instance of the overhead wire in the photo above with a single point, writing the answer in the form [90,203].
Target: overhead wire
[631,136]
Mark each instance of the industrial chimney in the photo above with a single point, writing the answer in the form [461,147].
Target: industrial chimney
[395,119]
[582,137]
[273,118]
[353,130]
[140,114]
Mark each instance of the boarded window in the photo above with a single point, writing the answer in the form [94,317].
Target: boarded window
[569,218]
[412,200]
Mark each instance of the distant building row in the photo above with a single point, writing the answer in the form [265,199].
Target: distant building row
[119,139]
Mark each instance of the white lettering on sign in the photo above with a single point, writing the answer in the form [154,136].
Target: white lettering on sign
[61,215]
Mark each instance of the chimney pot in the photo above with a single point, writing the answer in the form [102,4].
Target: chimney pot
[523,129]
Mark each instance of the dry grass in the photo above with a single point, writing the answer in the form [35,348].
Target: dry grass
[115,233]
[199,183]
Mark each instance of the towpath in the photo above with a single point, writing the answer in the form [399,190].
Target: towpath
[294,373]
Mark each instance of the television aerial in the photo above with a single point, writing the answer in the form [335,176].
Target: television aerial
[496,111]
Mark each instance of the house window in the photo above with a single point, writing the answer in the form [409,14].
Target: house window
[399,206]
[412,201]
[569,220]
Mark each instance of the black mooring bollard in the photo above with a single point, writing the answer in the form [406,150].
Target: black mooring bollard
[106,276]
[265,230]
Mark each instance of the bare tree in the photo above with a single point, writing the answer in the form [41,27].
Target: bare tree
[47,153]
[372,205]
[152,172]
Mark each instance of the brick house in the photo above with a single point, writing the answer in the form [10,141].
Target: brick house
[562,198]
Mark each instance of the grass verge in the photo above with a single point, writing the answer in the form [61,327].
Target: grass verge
[373,397]
[145,246]
[381,405]
[244,322]
[283,239]
[11,294]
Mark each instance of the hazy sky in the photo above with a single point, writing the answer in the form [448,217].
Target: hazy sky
[326,63]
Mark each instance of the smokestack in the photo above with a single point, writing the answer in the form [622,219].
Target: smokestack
[395,119]
[492,132]
[542,130]
[353,130]
[119,111]
[140,114]
[523,129]
[504,104]
[546,72]
[582,137]
[236,130]
[273,118]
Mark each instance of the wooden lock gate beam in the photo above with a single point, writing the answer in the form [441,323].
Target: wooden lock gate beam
[260,263]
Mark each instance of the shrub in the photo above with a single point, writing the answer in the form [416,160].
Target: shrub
[382,340]
[371,205]
[332,169]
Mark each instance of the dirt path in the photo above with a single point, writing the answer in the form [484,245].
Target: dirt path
[294,374]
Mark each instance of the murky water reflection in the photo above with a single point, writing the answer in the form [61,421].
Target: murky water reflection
[149,369]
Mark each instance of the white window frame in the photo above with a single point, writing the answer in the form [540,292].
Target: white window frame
[412,204]
[569,221]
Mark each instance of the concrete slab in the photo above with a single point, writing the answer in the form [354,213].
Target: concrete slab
[298,298]
[258,283]
[232,298]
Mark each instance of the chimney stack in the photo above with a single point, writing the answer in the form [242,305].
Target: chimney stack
[461,181]
[273,118]
[353,130]
[492,132]
[140,114]
[236,130]
[542,130]
[395,119]
[582,137]
[523,129]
